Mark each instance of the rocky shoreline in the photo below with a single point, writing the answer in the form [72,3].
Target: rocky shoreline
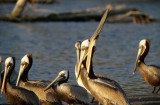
[135,100]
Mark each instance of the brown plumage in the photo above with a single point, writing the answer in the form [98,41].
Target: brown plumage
[46,98]
[13,94]
[151,73]
[68,92]
[106,92]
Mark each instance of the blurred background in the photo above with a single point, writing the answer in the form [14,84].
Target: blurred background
[52,43]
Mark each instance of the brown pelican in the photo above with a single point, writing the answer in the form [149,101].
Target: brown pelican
[85,45]
[151,73]
[111,88]
[46,98]
[16,95]
[13,76]
[67,92]
[77,46]
[105,92]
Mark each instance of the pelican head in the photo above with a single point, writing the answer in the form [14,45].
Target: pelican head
[143,50]
[26,63]
[84,53]
[78,45]
[61,78]
[9,67]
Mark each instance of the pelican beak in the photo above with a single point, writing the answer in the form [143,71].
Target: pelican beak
[80,63]
[140,51]
[5,78]
[22,67]
[90,53]
[54,82]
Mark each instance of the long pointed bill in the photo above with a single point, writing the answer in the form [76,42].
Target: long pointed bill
[53,82]
[76,66]
[100,26]
[137,60]
[89,58]
[80,63]
[4,79]
[20,74]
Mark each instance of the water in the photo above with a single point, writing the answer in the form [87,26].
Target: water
[52,46]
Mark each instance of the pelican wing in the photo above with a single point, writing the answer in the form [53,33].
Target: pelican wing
[38,88]
[109,91]
[106,82]
[75,92]
[154,70]
[35,84]
[26,95]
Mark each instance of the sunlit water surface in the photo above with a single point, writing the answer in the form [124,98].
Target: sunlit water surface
[52,46]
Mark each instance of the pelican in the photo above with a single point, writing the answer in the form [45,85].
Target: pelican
[86,42]
[46,98]
[151,73]
[13,76]
[105,92]
[67,92]
[77,46]
[109,89]
[16,95]
[85,45]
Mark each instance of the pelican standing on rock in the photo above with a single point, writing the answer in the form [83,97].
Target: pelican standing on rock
[46,98]
[67,92]
[13,94]
[151,73]
[105,92]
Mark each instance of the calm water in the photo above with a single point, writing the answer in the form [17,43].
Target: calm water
[52,46]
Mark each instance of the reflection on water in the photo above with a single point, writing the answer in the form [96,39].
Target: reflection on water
[52,45]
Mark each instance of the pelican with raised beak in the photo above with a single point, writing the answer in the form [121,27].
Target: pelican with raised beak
[99,87]
[105,92]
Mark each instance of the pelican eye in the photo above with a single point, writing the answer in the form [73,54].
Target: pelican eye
[8,64]
[62,75]
[84,48]
[24,63]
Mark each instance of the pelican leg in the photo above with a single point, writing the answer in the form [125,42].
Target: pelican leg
[92,100]
[158,90]
[154,89]
[99,103]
